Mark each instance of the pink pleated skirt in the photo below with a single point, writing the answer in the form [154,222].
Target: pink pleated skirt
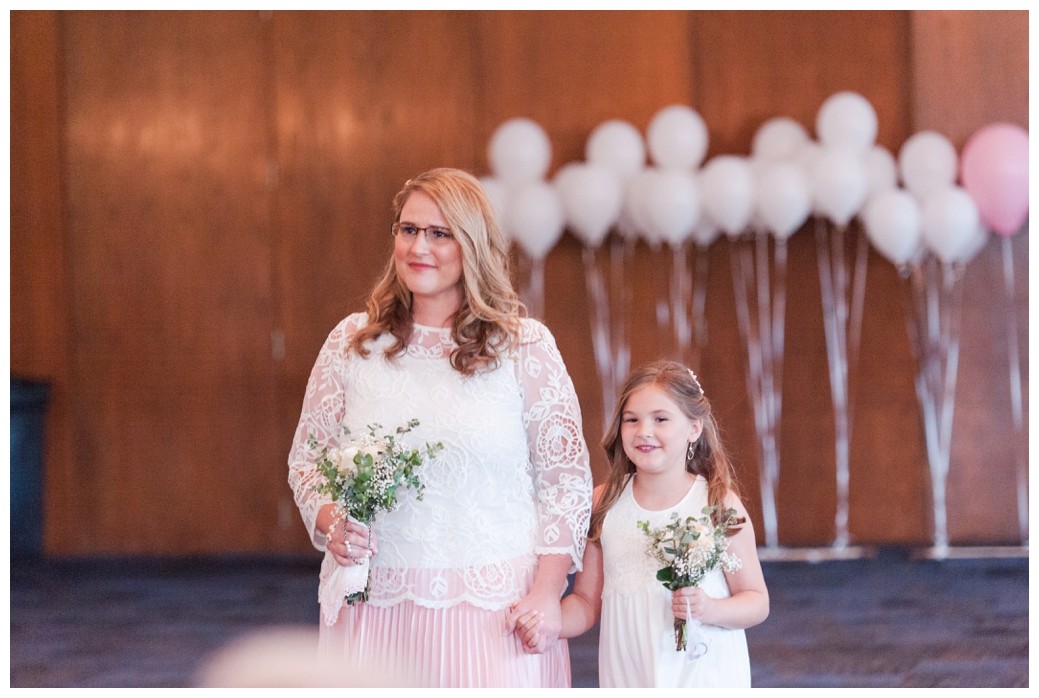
[457,647]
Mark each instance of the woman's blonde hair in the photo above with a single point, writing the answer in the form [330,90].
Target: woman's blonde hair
[708,458]
[487,323]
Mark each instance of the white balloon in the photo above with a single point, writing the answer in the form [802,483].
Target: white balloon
[618,145]
[839,184]
[519,151]
[671,205]
[783,198]
[847,120]
[727,192]
[498,193]
[565,176]
[706,230]
[677,138]
[892,223]
[534,218]
[927,162]
[881,171]
[779,138]
[951,225]
[634,220]
[971,250]
[592,196]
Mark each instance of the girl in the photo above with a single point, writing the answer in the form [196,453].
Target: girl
[665,456]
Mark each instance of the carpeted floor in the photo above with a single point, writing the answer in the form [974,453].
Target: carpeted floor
[889,621]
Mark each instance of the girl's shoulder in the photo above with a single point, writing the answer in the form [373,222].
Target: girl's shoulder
[733,501]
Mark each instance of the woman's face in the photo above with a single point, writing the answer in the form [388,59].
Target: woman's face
[429,264]
[655,432]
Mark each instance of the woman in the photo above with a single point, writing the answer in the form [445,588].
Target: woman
[506,504]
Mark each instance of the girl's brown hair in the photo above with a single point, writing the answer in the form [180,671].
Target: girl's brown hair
[487,323]
[708,460]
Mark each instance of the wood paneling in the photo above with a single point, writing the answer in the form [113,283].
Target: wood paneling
[228,186]
[40,347]
[169,230]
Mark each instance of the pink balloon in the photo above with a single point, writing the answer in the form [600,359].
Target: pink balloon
[994,171]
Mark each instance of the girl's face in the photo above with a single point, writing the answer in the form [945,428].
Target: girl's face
[428,261]
[655,433]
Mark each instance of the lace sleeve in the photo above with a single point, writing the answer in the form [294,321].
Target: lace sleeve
[552,418]
[323,408]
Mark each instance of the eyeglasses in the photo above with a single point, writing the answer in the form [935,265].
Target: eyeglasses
[435,234]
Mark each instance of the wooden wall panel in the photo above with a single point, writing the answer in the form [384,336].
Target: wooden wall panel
[39,264]
[171,286]
[229,178]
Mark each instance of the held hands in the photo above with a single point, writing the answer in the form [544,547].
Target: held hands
[537,629]
[526,626]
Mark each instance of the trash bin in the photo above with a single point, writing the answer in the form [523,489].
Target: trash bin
[28,408]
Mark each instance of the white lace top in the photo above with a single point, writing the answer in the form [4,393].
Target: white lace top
[512,482]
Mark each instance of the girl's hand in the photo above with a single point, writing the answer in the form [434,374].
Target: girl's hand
[525,625]
[691,602]
[538,633]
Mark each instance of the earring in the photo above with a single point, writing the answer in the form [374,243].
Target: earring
[689,451]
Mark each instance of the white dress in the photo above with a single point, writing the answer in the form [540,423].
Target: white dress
[512,483]
[636,632]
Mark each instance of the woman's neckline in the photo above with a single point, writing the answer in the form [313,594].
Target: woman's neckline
[681,499]
[432,328]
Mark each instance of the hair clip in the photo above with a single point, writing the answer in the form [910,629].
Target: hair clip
[695,381]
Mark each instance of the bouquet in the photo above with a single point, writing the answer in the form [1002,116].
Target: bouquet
[690,548]
[364,476]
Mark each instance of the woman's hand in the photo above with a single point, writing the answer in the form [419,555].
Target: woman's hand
[537,619]
[349,541]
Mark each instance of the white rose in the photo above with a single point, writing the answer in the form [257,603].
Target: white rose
[344,460]
[374,450]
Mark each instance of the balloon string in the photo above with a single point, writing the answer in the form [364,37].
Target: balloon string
[918,328]
[765,324]
[1015,389]
[537,286]
[855,321]
[600,329]
[742,268]
[700,298]
[622,253]
[771,368]
[778,333]
[679,308]
[952,296]
[833,284]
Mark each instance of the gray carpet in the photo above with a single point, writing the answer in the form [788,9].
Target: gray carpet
[890,621]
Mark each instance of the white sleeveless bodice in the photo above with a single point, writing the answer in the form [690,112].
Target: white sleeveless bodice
[636,634]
